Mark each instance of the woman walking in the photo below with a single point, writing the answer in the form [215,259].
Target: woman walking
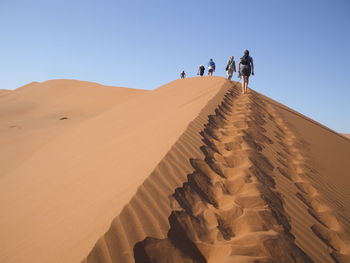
[230,68]
[245,68]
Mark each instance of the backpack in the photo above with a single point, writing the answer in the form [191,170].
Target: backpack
[230,64]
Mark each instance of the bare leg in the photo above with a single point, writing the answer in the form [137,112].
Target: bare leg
[243,83]
[229,74]
[246,84]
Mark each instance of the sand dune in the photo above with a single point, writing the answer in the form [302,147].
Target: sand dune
[346,135]
[263,190]
[191,172]
[4,92]
[63,181]
[37,113]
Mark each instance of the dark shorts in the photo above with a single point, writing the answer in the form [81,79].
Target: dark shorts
[245,70]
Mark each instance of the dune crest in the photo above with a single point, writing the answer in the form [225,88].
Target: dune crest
[250,199]
[230,210]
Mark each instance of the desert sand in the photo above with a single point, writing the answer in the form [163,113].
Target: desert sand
[74,153]
[190,172]
[346,135]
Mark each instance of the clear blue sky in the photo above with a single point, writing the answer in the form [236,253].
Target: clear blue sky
[300,47]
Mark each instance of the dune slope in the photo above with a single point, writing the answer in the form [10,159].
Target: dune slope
[346,135]
[73,154]
[190,172]
[270,186]
[37,113]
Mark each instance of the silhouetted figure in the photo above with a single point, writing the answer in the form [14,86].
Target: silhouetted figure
[183,74]
[201,70]
[245,68]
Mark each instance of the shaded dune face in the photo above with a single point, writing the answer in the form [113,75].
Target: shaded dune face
[251,198]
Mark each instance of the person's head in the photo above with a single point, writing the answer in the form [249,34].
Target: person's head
[210,59]
[232,57]
[246,52]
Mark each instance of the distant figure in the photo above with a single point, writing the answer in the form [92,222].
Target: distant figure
[245,67]
[211,67]
[201,70]
[230,68]
[183,74]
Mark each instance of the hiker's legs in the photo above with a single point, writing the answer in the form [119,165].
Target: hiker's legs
[229,74]
[243,83]
[246,84]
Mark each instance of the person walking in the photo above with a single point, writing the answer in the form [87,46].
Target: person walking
[183,74]
[245,68]
[230,67]
[211,67]
[201,70]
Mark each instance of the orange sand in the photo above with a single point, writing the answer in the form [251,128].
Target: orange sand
[346,135]
[63,181]
[254,181]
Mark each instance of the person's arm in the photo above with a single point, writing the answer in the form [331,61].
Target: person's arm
[252,67]
[234,66]
[239,67]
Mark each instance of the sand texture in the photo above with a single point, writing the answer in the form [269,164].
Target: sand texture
[73,153]
[190,172]
[346,135]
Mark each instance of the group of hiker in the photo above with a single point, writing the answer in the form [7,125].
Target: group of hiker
[245,69]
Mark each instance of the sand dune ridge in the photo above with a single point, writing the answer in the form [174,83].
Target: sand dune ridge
[236,205]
